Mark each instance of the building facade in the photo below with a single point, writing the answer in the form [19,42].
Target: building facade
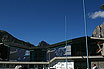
[55,55]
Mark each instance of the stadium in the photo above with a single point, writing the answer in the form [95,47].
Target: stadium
[14,52]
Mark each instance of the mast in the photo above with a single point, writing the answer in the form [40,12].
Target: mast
[84,11]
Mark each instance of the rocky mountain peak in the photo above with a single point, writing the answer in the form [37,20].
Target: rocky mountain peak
[43,43]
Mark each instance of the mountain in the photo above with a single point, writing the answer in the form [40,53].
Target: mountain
[43,43]
[6,37]
[99,31]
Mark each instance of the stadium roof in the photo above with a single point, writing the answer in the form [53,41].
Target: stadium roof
[60,44]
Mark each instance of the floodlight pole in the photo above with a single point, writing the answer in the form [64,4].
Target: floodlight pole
[84,10]
[49,57]
[66,42]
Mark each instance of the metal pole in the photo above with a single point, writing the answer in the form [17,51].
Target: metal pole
[84,10]
[49,58]
[28,66]
[66,42]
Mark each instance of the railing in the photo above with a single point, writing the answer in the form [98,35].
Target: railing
[42,65]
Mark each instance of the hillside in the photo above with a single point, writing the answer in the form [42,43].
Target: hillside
[6,37]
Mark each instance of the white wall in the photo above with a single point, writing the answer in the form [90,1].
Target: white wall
[62,65]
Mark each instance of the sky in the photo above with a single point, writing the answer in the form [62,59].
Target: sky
[44,20]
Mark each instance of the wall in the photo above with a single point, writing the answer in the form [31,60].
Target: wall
[99,64]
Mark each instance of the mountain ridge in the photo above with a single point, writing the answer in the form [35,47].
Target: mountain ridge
[6,37]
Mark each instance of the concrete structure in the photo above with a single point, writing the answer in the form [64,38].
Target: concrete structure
[45,56]
[53,55]
[53,63]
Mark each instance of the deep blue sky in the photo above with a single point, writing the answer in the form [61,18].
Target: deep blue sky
[43,20]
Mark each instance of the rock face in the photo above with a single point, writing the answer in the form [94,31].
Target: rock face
[43,43]
[99,31]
